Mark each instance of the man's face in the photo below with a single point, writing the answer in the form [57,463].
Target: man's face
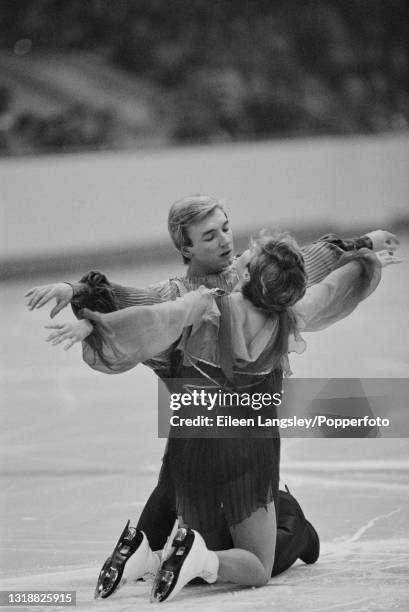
[212,244]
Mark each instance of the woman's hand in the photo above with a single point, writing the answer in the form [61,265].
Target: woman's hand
[72,332]
[39,296]
[387,258]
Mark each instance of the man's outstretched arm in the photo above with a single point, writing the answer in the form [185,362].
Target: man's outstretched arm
[322,256]
[95,292]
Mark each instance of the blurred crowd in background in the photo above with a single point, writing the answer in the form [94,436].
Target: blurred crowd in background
[148,72]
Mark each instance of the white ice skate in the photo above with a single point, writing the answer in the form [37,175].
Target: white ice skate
[186,558]
[131,560]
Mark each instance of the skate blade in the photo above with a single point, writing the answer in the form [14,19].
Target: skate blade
[162,586]
[106,580]
[109,577]
[166,579]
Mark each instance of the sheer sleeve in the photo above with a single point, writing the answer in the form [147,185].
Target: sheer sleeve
[124,338]
[357,276]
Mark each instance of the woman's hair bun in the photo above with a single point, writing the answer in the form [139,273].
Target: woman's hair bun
[277,273]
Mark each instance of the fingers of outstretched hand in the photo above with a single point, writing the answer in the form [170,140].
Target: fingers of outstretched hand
[58,337]
[386,258]
[63,333]
[70,343]
[35,296]
[389,242]
[40,297]
[59,333]
[45,298]
[62,338]
[391,239]
[57,308]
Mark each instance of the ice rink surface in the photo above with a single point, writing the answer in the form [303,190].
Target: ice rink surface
[80,454]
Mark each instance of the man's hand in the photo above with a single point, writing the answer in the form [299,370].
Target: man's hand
[39,296]
[383,241]
[72,332]
[387,259]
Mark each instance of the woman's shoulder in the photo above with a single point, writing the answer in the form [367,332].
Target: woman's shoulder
[245,314]
[239,302]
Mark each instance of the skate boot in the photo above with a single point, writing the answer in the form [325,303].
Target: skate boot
[133,551]
[185,558]
[311,551]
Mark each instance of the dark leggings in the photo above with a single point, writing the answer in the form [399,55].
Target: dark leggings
[157,520]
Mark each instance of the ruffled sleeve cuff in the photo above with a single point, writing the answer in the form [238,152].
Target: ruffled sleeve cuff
[348,244]
[95,292]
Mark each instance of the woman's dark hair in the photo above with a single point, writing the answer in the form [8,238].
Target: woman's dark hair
[277,273]
[277,281]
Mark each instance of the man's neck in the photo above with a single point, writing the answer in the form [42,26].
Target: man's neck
[196,269]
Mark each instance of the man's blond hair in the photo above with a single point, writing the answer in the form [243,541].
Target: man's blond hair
[186,211]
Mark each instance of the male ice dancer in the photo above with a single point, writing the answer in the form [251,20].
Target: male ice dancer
[200,230]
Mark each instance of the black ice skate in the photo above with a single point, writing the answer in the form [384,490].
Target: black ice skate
[311,551]
[113,568]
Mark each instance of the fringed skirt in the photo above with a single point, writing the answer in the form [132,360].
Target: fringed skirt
[215,480]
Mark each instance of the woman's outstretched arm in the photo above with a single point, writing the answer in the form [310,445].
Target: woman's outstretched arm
[334,298]
[117,341]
